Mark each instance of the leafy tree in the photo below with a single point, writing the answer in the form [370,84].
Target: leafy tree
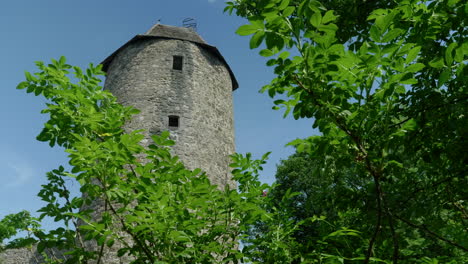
[388,93]
[11,225]
[331,195]
[387,88]
[154,210]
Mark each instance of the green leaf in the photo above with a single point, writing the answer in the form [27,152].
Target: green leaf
[392,34]
[328,17]
[247,30]
[384,21]
[409,81]
[266,53]
[274,42]
[257,39]
[271,62]
[400,89]
[22,85]
[415,67]
[284,55]
[37,91]
[375,33]
[31,88]
[29,77]
[410,125]
[443,78]
[412,54]
[316,19]
[437,63]
[448,53]
[288,11]
[283,5]
[459,54]
[62,60]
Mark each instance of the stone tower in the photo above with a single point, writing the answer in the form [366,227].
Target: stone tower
[180,84]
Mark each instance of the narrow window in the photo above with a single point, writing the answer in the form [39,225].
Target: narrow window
[177,62]
[173,121]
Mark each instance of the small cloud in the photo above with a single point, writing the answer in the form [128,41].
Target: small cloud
[16,171]
[213,1]
[21,174]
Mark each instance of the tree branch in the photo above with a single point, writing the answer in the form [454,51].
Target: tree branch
[74,221]
[101,250]
[378,192]
[148,254]
[396,247]
[419,189]
[338,120]
[432,233]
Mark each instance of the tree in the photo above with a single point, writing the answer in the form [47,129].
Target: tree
[11,224]
[387,88]
[317,206]
[155,210]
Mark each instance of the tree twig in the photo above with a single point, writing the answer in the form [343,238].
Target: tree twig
[395,256]
[379,220]
[148,254]
[101,250]
[432,233]
[370,168]
[75,223]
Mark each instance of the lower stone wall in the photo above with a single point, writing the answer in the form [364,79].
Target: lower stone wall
[27,255]
[21,256]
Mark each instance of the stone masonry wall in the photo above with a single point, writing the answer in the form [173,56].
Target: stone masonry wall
[200,94]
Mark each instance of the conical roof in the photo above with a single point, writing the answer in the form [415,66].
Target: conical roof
[172,32]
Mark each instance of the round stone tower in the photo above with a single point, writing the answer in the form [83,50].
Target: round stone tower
[180,84]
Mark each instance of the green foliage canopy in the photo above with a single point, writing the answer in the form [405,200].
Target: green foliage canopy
[386,85]
[151,208]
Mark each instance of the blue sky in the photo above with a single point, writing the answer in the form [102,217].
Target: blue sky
[88,31]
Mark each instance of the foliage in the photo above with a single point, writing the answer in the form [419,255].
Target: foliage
[152,209]
[333,196]
[11,225]
[387,88]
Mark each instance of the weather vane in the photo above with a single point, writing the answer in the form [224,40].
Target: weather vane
[190,23]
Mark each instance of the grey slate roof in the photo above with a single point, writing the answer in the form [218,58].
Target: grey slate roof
[172,32]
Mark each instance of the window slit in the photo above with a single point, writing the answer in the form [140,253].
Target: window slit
[173,121]
[177,62]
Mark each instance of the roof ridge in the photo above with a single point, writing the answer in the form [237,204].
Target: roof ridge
[173,32]
[160,30]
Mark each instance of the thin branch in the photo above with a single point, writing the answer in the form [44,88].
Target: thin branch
[148,254]
[445,104]
[101,250]
[378,191]
[401,122]
[75,223]
[392,230]
[419,189]
[432,233]
[370,168]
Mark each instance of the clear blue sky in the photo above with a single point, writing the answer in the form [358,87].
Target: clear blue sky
[88,31]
